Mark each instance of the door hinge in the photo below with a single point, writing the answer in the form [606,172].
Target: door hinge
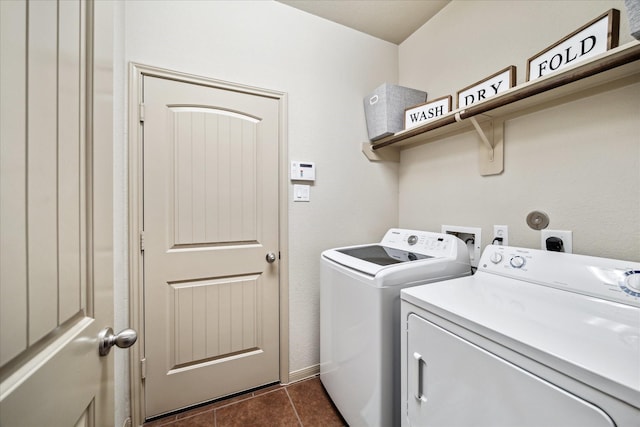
[141,112]
[143,368]
[142,241]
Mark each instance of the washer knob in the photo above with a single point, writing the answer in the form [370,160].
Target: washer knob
[412,240]
[496,257]
[517,261]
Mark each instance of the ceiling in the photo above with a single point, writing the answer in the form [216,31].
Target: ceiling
[390,20]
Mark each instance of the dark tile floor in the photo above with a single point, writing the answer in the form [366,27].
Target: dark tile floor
[304,403]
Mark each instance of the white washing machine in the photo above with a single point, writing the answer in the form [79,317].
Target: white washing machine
[534,338]
[360,317]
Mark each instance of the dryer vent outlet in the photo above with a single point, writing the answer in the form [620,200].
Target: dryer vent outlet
[472,236]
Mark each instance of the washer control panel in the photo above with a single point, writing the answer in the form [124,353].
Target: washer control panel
[609,279]
[420,242]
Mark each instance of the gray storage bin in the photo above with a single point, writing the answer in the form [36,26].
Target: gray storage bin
[633,11]
[384,109]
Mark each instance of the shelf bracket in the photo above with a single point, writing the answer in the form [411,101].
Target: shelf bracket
[387,154]
[491,150]
[483,137]
[491,154]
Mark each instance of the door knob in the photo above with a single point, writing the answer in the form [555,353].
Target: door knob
[107,339]
[271,257]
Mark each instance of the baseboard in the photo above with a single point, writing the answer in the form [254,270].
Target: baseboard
[303,374]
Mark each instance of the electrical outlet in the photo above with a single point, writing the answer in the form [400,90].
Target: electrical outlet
[565,235]
[472,236]
[500,232]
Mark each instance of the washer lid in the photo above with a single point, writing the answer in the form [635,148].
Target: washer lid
[382,255]
[372,259]
[590,339]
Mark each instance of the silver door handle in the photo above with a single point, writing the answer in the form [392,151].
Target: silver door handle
[271,257]
[107,339]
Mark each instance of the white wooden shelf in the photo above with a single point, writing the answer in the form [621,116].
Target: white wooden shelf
[616,67]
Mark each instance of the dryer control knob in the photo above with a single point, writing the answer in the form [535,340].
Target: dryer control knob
[517,262]
[632,280]
[496,257]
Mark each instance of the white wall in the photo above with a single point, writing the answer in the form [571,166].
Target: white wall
[326,69]
[579,162]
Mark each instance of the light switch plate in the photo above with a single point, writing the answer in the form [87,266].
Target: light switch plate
[301,193]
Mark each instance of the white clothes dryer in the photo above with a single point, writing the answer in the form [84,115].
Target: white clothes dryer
[360,317]
[534,338]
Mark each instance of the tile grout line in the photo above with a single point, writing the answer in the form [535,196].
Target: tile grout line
[234,402]
[295,411]
[248,396]
[176,417]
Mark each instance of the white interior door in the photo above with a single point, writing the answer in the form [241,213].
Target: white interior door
[211,308]
[55,213]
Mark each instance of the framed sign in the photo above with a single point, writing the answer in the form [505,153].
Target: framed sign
[425,113]
[491,86]
[592,39]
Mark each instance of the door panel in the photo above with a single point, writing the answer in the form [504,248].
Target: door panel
[13,188]
[42,127]
[221,150]
[212,318]
[55,271]
[210,217]
[71,259]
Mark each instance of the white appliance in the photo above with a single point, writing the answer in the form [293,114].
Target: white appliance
[534,338]
[360,317]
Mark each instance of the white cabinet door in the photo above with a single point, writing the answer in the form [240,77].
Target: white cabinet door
[452,382]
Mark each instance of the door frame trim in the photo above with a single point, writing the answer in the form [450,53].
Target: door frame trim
[136,314]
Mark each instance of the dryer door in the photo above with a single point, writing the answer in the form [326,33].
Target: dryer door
[453,382]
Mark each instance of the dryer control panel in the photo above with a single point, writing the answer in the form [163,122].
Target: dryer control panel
[610,279]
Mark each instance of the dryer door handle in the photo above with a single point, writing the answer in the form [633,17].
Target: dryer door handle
[420,388]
